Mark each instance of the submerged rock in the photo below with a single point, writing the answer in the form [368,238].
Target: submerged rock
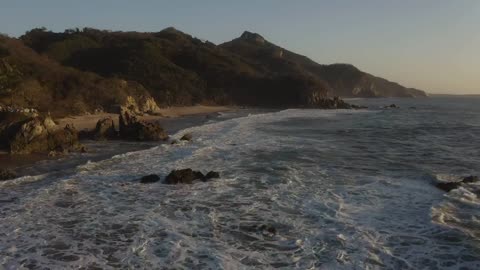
[212,174]
[470,179]
[152,178]
[448,186]
[6,174]
[187,176]
[187,137]
[268,230]
[184,176]
[358,107]
[391,106]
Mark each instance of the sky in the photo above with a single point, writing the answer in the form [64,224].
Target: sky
[432,45]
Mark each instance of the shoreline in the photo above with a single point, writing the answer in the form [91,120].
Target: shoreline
[88,122]
[172,119]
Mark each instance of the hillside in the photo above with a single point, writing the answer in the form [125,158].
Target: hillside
[343,80]
[177,68]
[80,71]
[29,80]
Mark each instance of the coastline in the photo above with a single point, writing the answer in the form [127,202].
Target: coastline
[88,122]
[172,119]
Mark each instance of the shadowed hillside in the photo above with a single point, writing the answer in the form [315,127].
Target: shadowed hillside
[81,70]
[343,79]
[30,80]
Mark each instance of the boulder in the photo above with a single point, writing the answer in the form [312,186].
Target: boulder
[470,179]
[186,137]
[133,129]
[6,174]
[448,186]
[152,178]
[105,129]
[212,174]
[267,230]
[185,176]
[41,135]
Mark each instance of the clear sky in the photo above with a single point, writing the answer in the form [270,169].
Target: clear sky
[428,44]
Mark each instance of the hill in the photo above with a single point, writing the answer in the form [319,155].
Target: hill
[30,80]
[80,71]
[343,80]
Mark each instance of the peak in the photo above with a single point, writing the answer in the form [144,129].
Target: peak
[170,29]
[252,37]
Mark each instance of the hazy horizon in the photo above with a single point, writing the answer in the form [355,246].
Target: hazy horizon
[429,45]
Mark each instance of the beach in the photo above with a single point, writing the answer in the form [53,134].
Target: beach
[89,121]
[172,119]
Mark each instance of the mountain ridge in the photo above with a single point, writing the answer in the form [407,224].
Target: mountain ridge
[178,69]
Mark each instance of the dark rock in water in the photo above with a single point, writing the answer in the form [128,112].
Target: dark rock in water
[391,106]
[448,186]
[470,179]
[6,174]
[174,142]
[357,107]
[199,175]
[212,174]
[268,230]
[185,176]
[105,129]
[152,178]
[187,137]
[133,129]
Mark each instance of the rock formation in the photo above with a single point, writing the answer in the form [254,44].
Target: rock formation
[133,129]
[448,186]
[105,129]
[187,176]
[41,135]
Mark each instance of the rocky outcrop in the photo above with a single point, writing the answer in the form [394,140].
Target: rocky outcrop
[142,104]
[6,174]
[105,130]
[133,129]
[187,176]
[147,105]
[448,186]
[41,135]
[327,103]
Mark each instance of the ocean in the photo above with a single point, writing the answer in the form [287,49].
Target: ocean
[299,189]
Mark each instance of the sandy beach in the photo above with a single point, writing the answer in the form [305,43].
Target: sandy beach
[89,121]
